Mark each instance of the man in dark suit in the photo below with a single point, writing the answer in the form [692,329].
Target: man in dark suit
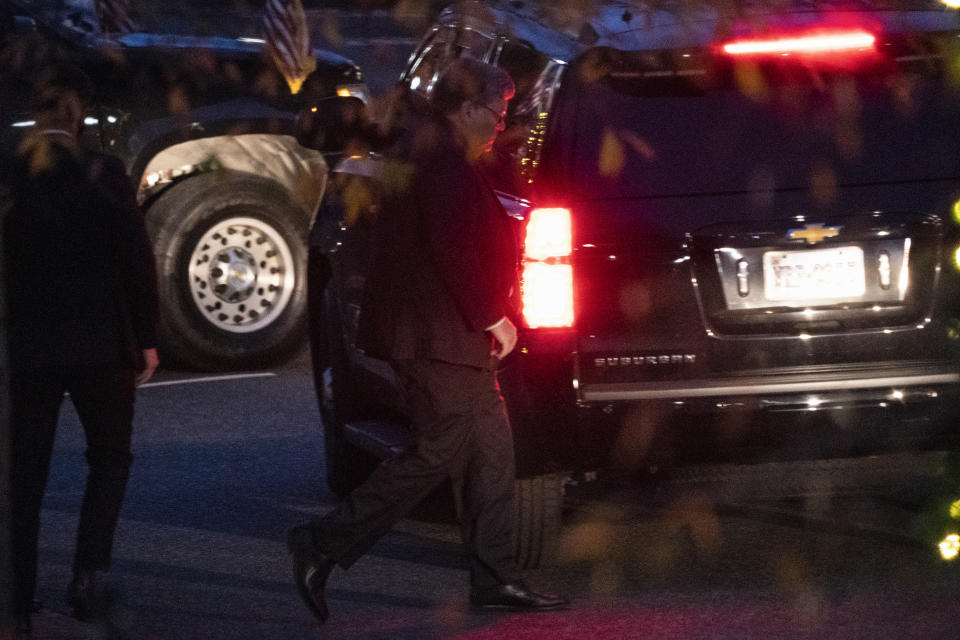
[82,306]
[437,306]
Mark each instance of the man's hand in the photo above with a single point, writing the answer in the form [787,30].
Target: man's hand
[151,361]
[505,335]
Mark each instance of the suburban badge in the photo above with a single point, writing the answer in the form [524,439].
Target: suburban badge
[627,361]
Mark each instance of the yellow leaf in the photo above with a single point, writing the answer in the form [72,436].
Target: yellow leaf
[751,82]
[612,155]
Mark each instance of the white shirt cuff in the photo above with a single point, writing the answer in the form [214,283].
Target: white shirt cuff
[496,324]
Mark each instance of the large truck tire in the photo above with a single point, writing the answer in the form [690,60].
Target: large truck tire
[539,514]
[231,267]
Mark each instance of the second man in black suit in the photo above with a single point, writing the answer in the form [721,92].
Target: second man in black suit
[82,305]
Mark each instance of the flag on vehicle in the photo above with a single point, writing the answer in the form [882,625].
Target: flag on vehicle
[113,16]
[288,41]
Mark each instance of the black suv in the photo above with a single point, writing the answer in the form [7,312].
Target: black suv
[207,128]
[740,237]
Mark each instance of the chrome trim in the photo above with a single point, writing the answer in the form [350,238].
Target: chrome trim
[515,206]
[367,166]
[734,282]
[356,90]
[750,387]
[905,270]
[831,399]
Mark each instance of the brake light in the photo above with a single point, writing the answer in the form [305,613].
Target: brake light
[547,287]
[813,43]
[548,234]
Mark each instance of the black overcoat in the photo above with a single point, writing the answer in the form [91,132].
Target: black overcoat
[81,280]
[444,265]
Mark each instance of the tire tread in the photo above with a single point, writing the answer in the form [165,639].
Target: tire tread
[539,509]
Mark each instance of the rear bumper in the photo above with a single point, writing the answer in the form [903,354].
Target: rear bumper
[900,384]
[751,418]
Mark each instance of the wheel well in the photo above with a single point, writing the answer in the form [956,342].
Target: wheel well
[300,171]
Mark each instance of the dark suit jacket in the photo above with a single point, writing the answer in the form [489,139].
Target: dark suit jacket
[80,275]
[444,259]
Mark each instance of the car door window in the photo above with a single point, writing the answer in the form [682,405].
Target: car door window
[425,67]
[536,78]
[446,44]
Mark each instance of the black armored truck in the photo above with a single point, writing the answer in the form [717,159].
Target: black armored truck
[207,128]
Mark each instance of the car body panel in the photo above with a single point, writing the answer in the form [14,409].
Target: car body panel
[697,200]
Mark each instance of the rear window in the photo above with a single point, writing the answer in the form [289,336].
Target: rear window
[697,122]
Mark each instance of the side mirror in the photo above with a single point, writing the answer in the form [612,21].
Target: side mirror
[333,124]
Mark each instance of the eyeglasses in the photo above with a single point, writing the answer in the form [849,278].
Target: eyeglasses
[501,117]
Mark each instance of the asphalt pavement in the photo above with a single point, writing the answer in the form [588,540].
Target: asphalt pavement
[225,464]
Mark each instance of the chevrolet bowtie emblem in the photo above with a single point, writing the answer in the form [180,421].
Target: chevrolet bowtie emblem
[813,233]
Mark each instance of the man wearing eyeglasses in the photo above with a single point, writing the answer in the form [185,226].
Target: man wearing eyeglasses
[437,306]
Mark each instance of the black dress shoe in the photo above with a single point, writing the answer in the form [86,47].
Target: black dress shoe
[82,596]
[310,571]
[516,596]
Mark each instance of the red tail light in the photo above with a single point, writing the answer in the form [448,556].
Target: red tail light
[807,44]
[547,273]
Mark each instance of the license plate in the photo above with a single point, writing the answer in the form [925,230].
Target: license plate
[813,274]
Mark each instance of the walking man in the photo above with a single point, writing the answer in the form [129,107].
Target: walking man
[81,299]
[437,306]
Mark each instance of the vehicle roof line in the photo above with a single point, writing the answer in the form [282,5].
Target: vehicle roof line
[744,192]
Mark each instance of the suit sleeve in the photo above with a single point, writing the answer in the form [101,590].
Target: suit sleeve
[452,216]
[135,253]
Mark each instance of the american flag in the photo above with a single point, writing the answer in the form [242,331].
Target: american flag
[288,41]
[113,16]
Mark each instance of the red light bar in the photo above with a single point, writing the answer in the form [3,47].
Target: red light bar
[810,44]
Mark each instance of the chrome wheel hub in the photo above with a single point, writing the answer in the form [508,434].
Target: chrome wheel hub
[241,274]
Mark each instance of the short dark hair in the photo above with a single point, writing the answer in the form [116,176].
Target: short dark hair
[469,80]
[56,80]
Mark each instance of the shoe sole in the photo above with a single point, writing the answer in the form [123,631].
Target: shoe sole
[479,608]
